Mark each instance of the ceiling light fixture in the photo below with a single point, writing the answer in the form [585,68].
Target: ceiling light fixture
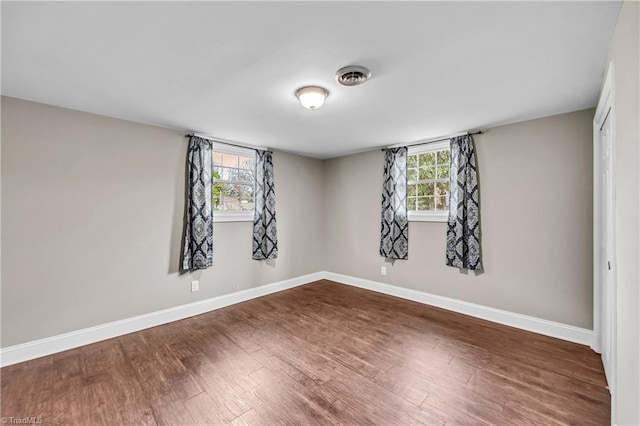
[312,97]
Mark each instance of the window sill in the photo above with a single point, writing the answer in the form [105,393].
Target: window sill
[232,217]
[428,216]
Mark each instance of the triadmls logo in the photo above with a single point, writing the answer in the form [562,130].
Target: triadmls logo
[29,420]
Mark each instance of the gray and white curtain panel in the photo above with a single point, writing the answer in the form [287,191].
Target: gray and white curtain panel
[394,238]
[198,235]
[265,236]
[463,232]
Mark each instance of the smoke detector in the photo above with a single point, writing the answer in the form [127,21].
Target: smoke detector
[352,75]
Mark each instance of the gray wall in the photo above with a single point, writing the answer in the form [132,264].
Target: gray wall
[92,211]
[536,212]
[626,56]
[92,221]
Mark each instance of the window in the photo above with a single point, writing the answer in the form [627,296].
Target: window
[428,182]
[233,183]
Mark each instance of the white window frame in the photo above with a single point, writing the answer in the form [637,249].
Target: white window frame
[428,216]
[219,216]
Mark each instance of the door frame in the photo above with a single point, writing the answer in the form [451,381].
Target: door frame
[604,109]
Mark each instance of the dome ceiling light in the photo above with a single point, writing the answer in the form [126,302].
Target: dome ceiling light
[312,97]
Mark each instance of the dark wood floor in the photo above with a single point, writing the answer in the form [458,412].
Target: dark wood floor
[322,353]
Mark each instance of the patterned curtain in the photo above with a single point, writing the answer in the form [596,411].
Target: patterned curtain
[265,236]
[463,233]
[394,239]
[198,235]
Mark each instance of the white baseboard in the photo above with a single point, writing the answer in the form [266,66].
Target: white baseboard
[570,333]
[50,345]
[62,342]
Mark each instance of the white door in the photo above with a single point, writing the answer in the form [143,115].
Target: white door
[606,245]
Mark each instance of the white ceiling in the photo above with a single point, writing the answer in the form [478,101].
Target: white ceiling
[231,69]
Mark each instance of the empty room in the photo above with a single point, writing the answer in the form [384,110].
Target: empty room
[303,213]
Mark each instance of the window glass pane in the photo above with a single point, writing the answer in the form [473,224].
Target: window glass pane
[443,157]
[234,190]
[246,191]
[427,173]
[217,191]
[217,158]
[443,172]
[225,173]
[425,203]
[229,160]
[425,189]
[246,163]
[246,197]
[411,203]
[442,188]
[441,203]
[427,159]
[229,198]
[422,203]
[411,190]
[412,174]
[412,161]
[216,173]
[244,175]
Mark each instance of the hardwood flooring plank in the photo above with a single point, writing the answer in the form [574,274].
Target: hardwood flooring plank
[233,325]
[294,402]
[67,404]
[97,407]
[276,363]
[554,406]
[311,361]
[519,413]
[160,374]
[415,385]
[354,404]
[260,414]
[174,413]
[223,386]
[202,410]
[536,378]
[120,388]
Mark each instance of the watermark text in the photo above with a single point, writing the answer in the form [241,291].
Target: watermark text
[28,420]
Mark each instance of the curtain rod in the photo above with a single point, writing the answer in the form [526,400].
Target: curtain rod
[479,132]
[222,141]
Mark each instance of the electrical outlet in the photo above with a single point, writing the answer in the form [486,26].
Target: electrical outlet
[195,286]
[383,270]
